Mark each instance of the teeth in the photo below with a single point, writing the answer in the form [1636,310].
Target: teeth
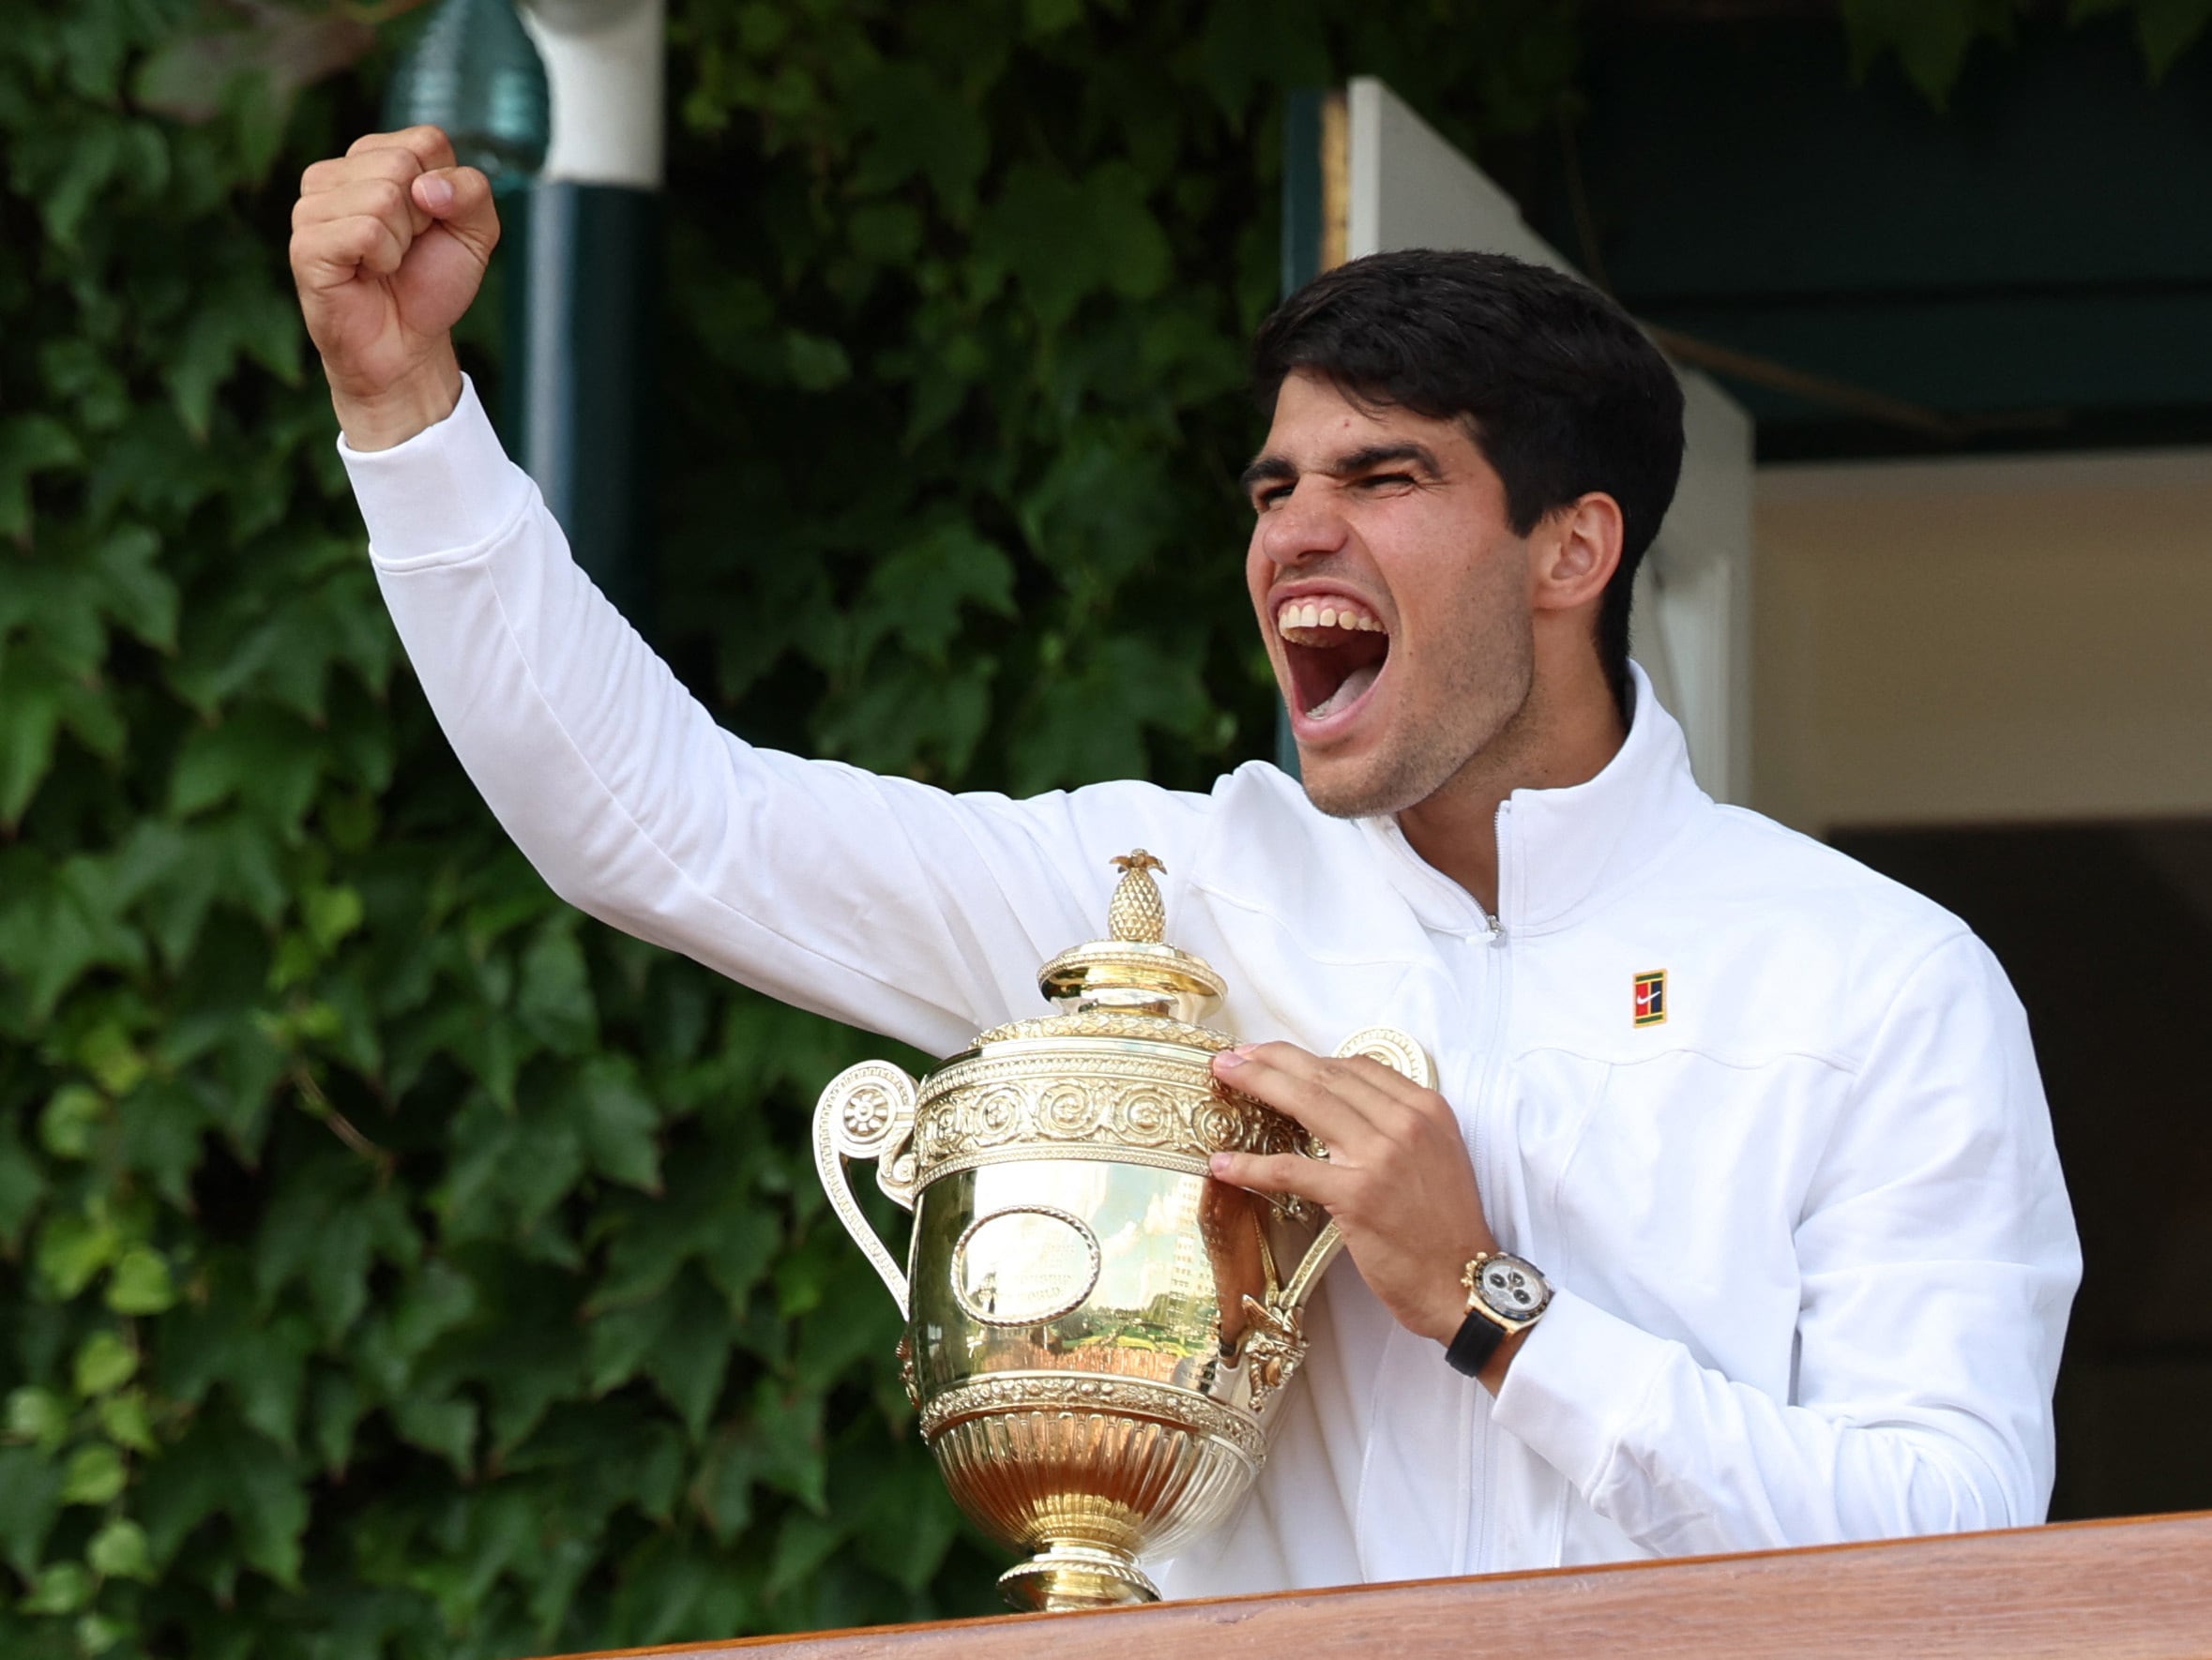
[1336,614]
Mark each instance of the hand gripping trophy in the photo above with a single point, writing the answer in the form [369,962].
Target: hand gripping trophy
[1096,1329]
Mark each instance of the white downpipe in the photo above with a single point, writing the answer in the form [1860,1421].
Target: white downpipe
[604,66]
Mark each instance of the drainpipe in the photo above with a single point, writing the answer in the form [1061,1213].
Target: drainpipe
[583,270]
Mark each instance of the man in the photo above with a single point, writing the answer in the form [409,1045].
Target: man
[1790,1253]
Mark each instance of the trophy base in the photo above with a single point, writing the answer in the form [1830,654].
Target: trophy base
[1065,1577]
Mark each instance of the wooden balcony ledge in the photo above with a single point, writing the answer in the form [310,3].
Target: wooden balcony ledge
[2139,1588]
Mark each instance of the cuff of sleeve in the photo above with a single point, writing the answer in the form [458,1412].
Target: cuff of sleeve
[1576,1385]
[445,491]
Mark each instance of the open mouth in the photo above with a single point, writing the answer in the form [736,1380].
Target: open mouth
[1335,648]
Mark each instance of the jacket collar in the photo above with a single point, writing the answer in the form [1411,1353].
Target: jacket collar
[1562,851]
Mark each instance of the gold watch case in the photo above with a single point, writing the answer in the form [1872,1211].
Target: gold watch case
[1506,1290]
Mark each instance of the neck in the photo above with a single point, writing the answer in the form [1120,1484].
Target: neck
[1562,735]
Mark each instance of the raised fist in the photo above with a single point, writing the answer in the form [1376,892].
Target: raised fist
[389,244]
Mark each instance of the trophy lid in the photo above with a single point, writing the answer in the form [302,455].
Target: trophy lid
[1134,971]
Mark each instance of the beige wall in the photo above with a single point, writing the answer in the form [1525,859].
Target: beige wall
[1984,640]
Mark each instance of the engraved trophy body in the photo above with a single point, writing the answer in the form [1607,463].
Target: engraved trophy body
[1097,1330]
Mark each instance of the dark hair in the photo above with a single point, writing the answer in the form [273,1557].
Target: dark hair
[1560,390]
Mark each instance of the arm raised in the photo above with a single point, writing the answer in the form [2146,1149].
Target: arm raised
[389,245]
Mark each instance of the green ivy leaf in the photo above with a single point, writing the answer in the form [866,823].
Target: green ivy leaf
[553,999]
[38,1415]
[57,922]
[265,759]
[617,1123]
[118,1552]
[30,1499]
[95,1474]
[693,1353]
[913,125]
[1931,37]
[141,1283]
[816,364]
[1064,239]
[105,1363]
[61,1588]
[332,913]
[116,1063]
[29,445]
[74,1247]
[447,1427]
[97,1633]
[2167,28]
[917,593]
[132,588]
[123,1419]
[23,1183]
[220,1468]
[72,1115]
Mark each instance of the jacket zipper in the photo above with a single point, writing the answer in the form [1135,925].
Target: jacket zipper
[1498,979]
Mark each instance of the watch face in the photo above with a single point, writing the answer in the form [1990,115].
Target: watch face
[1512,1288]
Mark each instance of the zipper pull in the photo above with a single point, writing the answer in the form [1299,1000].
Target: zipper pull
[1497,926]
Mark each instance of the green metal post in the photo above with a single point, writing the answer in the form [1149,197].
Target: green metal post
[584,278]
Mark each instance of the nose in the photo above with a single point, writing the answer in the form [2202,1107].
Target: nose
[1302,527]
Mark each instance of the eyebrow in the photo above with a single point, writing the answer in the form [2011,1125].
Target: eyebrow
[1276,469]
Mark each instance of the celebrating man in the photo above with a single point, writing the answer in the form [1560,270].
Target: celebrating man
[1734,1220]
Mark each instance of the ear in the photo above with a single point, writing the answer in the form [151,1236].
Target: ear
[1576,553]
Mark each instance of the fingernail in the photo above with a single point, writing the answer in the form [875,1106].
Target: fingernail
[1228,1058]
[434,193]
[1218,1164]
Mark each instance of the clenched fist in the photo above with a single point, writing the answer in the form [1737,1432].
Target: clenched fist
[389,244]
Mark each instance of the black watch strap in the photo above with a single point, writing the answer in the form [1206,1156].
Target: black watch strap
[1477,1340]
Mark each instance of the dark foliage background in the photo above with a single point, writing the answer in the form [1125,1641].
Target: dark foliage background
[395,1264]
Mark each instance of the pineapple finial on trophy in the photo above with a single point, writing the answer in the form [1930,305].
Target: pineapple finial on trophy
[1136,911]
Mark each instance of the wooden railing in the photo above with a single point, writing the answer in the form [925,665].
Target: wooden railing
[2086,1590]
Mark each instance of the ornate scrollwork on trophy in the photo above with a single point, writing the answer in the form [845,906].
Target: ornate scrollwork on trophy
[1275,1347]
[985,1109]
[1110,1023]
[907,1380]
[868,1112]
[1064,1392]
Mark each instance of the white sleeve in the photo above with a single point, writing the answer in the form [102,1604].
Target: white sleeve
[880,901]
[1937,1260]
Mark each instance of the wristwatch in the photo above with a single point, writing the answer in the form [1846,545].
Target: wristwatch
[1504,1294]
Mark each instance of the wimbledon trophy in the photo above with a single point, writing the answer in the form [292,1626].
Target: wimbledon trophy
[1096,1331]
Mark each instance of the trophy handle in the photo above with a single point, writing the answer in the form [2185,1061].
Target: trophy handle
[868,1112]
[1401,1054]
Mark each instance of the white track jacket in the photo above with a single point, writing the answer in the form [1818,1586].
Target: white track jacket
[1812,1250]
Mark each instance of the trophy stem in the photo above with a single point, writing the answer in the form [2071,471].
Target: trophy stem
[1065,1577]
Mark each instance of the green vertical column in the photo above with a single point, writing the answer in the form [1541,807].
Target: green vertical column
[583,275]
[583,280]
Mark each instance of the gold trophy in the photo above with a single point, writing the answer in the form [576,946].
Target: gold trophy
[1097,1330]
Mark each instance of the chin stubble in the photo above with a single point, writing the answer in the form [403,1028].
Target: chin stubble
[1491,707]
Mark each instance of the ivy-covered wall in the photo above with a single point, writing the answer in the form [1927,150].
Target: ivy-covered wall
[391,1263]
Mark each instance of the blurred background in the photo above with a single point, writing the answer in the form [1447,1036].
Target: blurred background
[393,1263]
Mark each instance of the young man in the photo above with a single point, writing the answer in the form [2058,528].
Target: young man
[1790,1256]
